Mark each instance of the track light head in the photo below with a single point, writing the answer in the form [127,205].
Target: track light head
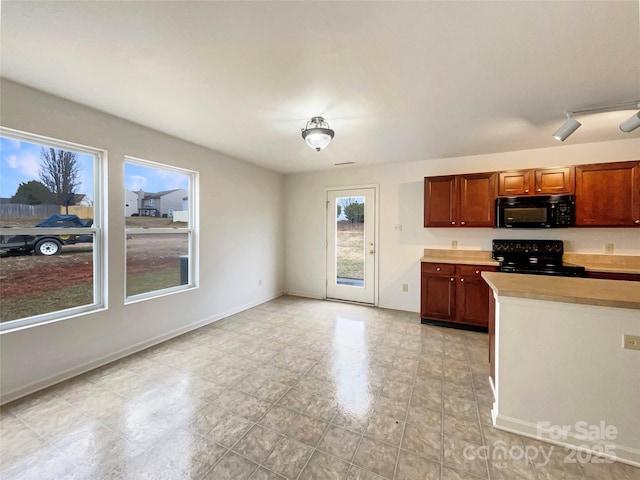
[631,123]
[568,127]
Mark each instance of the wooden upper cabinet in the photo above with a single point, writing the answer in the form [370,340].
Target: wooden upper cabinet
[608,195]
[440,201]
[460,200]
[477,200]
[553,181]
[519,182]
[541,181]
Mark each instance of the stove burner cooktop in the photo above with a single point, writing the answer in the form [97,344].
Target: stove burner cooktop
[556,270]
[535,257]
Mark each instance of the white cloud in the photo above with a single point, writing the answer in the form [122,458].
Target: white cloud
[136,182]
[29,165]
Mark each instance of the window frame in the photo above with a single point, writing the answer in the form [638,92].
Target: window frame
[98,230]
[191,230]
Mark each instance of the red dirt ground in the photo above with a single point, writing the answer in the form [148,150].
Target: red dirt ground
[21,275]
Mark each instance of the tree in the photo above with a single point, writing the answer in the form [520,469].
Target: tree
[33,192]
[339,210]
[352,208]
[355,212]
[59,172]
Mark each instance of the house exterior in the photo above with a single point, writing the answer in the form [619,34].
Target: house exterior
[155,204]
[82,200]
[130,203]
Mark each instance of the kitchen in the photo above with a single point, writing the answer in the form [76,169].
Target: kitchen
[454,294]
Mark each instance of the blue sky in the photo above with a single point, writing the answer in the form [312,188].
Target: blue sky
[151,179]
[20,162]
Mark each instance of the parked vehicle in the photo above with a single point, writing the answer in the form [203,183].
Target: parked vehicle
[47,244]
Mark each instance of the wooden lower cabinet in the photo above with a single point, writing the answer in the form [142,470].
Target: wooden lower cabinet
[632,277]
[455,294]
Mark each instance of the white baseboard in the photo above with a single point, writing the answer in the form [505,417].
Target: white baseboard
[620,453]
[305,295]
[6,397]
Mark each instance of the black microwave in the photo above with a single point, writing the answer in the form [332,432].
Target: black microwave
[540,211]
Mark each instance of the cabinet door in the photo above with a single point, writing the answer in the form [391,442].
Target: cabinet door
[517,182]
[438,297]
[608,195]
[440,201]
[554,181]
[472,296]
[477,200]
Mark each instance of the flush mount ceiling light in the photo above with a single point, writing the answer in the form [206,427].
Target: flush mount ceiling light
[571,124]
[317,133]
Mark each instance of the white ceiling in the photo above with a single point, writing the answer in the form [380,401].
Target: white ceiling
[397,81]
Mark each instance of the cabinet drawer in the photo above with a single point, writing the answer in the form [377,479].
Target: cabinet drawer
[439,268]
[474,270]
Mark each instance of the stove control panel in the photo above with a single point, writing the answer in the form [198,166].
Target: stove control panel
[527,247]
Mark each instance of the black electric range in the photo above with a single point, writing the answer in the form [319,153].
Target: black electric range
[536,257]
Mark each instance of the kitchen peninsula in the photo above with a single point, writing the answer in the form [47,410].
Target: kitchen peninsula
[545,374]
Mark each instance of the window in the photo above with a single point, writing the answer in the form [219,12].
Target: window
[160,226]
[51,237]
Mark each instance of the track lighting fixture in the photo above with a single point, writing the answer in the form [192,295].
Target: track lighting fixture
[631,123]
[317,133]
[568,127]
[571,124]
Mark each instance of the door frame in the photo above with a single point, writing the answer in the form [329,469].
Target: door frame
[376,239]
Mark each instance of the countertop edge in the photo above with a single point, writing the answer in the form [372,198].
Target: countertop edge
[458,261]
[556,296]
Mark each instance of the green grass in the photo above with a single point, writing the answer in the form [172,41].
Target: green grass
[350,254]
[153,280]
[46,302]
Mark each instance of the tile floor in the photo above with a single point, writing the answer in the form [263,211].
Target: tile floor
[294,388]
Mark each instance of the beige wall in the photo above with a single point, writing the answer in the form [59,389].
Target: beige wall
[401,202]
[240,241]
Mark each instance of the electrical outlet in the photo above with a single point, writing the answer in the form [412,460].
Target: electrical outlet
[398,227]
[631,342]
[454,244]
[405,287]
[608,248]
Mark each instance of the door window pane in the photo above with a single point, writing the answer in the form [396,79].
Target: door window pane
[350,247]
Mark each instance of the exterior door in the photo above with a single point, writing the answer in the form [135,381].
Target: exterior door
[351,247]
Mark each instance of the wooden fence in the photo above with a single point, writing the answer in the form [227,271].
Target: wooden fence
[19,210]
[79,210]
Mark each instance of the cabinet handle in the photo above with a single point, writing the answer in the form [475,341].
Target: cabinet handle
[539,189]
[637,221]
[452,279]
[463,223]
[462,279]
[477,271]
[453,223]
[526,191]
[437,269]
